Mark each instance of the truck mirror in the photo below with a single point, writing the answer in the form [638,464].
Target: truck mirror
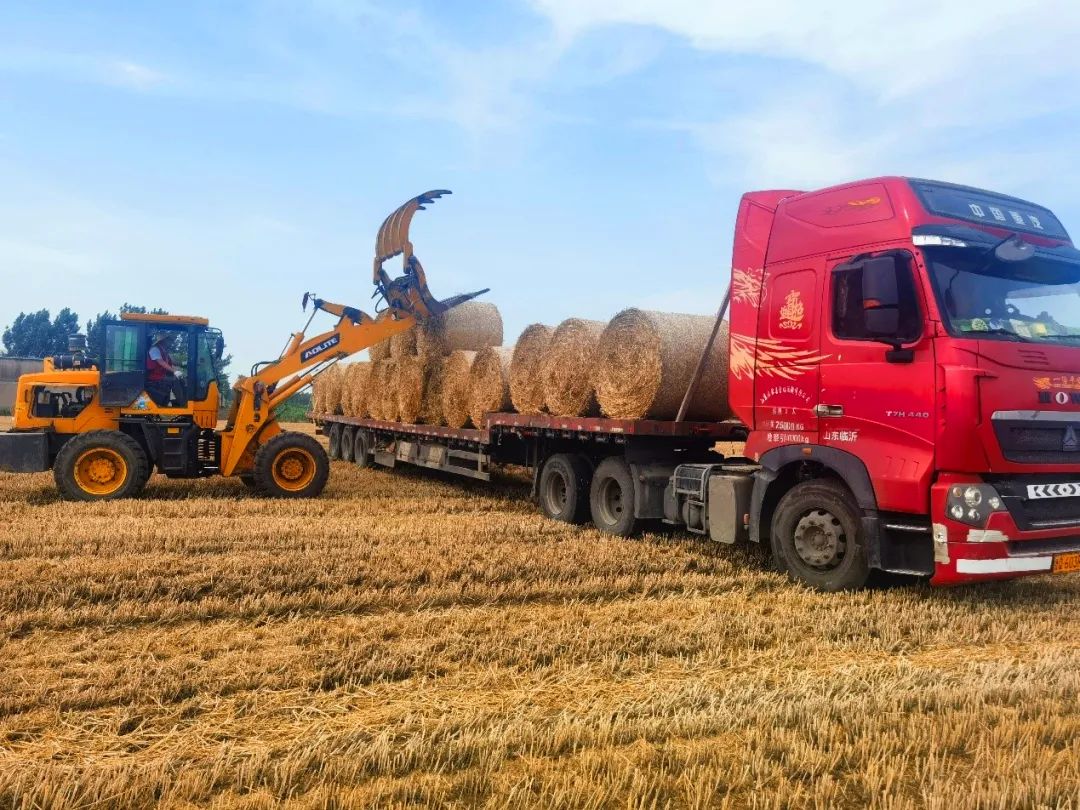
[881,296]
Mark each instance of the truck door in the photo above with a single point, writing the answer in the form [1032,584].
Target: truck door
[877,402]
[787,355]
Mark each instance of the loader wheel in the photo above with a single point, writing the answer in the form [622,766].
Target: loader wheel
[362,448]
[99,466]
[611,498]
[564,488]
[334,437]
[817,538]
[347,444]
[291,465]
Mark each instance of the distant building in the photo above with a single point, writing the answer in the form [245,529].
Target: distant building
[11,368]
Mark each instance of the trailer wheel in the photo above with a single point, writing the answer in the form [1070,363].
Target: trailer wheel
[101,465]
[817,538]
[335,441]
[564,488]
[611,498]
[291,465]
[362,449]
[346,443]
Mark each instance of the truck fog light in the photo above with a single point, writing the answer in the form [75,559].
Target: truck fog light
[957,511]
[973,496]
[973,504]
[995,503]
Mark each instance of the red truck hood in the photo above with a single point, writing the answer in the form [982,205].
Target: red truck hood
[1029,398]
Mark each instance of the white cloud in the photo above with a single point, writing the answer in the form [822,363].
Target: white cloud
[135,75]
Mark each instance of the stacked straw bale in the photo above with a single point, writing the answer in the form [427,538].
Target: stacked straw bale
[455,393]
[357,385]
[403,344]
[471,326]
[526,381]
[567,368]
[318,395]
[382,398]
[333,389]
[489,382]
[431,407]
[380,351]
[646,360]
[412,377]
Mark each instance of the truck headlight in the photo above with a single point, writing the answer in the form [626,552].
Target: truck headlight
[973,504]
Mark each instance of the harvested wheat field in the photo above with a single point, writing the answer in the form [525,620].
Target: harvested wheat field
[406,639]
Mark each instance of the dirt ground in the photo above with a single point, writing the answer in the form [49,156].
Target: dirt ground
[410,639]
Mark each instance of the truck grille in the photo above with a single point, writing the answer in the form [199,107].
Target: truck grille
[1038,437]
[1038,513]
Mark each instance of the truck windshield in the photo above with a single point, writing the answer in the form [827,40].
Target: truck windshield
[1035,301]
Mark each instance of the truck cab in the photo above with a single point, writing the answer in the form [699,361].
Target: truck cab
[914,346]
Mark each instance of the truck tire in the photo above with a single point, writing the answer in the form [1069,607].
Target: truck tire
[611,498]
[564,488]
[334,437]
[101,465]
[346,443]
[817,537]
[362,449]
[291,465]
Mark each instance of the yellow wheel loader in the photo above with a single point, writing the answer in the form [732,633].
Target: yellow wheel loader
[150,400]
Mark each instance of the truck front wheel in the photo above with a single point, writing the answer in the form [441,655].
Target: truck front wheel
[564,488]
[817,537]
[611,498]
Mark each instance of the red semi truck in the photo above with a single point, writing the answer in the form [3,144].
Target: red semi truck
[904,370]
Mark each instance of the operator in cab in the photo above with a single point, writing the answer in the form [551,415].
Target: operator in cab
[162,382]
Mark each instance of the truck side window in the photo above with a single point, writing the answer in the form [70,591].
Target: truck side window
[849,322]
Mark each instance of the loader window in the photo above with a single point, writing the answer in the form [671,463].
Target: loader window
[123,364]
[205,367]
[122,349]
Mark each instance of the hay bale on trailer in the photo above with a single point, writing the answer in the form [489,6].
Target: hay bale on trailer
[567,368]
[357,384]
[489,383]
[380,351]
[333,380]
[645,362]
[403,344]
[455,394]
[431,407]
[526,381]
[382,398]
[471,326]
[412,377]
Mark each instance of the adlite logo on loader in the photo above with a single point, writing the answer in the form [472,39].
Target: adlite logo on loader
[315,351]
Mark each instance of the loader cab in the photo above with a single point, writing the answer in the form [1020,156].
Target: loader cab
[193,347]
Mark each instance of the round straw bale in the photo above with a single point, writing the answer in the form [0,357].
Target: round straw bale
[403,344]
[455,397]
[489,382]
[412,374]
[526,382]
[567,368]
[318,395]
[357,383]
[431,409]
[380,351]
[646,360]
[471,326]
[382,396]
[335,387]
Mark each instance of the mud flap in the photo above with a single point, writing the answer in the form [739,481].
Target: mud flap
[24,452]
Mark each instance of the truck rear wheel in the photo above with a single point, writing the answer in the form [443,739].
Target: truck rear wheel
[291,465]
[611,498]
[817,537]
[101,465]
[564,488]
[334,437]
[347,444]
[362,448]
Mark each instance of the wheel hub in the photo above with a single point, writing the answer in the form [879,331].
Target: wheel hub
[819,539]
[101,471]
[292,468]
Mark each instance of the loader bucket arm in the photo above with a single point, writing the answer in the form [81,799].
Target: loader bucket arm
[409,291]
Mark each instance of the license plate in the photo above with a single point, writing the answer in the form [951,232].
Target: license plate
[1066,563]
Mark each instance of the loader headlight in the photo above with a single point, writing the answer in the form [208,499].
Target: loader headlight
[973,504]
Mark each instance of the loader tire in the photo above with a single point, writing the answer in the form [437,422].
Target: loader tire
[101,465]
[291,465]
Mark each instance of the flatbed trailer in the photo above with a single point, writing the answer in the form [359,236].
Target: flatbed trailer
[616,472]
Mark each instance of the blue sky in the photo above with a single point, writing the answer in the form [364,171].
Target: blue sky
[222,158]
